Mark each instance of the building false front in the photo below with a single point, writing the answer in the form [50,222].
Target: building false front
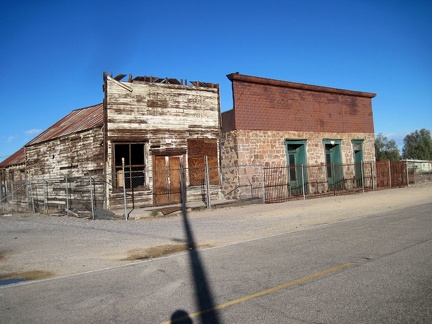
[278,123]
[153,127]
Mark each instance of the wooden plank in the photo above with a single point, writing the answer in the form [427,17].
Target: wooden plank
[160,181]
[175,189]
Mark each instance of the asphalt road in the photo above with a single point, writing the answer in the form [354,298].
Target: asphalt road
[376,269]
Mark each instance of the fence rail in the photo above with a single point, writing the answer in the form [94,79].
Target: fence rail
[86,195]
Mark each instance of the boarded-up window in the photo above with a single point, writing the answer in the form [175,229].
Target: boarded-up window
[198,149]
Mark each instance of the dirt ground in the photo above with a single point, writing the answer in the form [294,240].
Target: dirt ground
[34,246]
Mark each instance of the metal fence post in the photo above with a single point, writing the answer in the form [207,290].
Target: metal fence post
[124,189]
[362,174]
[13,203]
[333,177]
[67,195]
[303,183]
[32,198]
[182,187]
[390,179]
[1,188]
[207,183]
[45,189]
[263,184]
[407,177]
[91,197]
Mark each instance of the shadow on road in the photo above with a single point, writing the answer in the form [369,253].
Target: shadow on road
[203,295]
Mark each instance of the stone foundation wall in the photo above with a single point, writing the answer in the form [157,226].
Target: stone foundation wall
[240,148]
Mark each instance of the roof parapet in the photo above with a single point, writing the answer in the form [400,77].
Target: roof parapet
[301,86]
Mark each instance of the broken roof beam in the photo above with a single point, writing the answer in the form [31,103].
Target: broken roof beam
[119,77]
[204,84]
[173,81]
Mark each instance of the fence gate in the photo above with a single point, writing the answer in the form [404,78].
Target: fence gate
[275,184]
[391,174]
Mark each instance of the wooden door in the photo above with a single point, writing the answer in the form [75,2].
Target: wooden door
[174,176]
[166,180]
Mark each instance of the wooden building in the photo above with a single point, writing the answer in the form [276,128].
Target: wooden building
[137,139]
[153,125]
[12,180]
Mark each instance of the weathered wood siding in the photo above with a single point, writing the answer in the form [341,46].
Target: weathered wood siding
[49,163]
[13,189]
[158,112]
[163,116]
[72,155]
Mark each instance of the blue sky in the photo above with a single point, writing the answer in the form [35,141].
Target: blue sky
[53,53]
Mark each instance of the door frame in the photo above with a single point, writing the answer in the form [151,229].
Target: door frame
[358,160]
[167,182]
[296,150]
[333,161]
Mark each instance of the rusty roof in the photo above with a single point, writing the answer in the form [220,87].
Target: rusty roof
[15,159]
[76,121]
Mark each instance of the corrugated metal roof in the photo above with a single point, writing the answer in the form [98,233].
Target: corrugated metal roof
[15,159]
[76,121]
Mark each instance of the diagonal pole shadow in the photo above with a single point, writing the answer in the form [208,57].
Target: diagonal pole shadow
[203,295]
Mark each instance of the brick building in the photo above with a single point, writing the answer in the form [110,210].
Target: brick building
[279,123]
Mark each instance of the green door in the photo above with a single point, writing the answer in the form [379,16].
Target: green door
[334,164]
[296,160]
[358,159]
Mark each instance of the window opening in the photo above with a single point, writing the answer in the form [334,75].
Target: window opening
[134,163]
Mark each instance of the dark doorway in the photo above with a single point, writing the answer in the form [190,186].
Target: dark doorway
[358,160]
[334,164]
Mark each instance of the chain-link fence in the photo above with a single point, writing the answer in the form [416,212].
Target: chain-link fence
[88,195]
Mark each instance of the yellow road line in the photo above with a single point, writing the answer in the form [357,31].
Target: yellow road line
[262,293]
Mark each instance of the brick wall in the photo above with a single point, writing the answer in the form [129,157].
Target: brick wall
[265,104]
